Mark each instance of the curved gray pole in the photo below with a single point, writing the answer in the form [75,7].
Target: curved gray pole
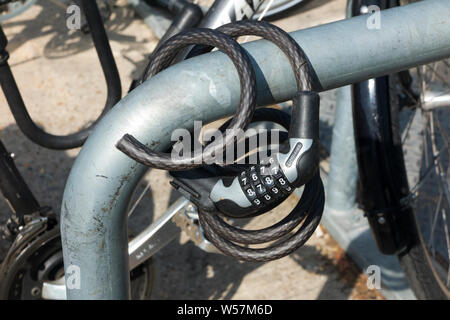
[342,178]
[93,218]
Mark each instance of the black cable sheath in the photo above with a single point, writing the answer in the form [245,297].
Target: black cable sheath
[164,56]
[313,213]
[308,211]
[19,110]
[271,233]
[279,37]
[264,140]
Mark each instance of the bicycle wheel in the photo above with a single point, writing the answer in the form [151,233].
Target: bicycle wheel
[420,108]
[423,130]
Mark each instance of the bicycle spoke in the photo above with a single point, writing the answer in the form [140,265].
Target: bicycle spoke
[410,96]
[423,177]
[430,198]
[431,71]
[425,140]
[445,187]
[443,133]
[139,199]
[439,170]
[434,72]
[266,8]
[435,218]
[446,63]
[408,127]
[422,83]
[438,165]
[447,238]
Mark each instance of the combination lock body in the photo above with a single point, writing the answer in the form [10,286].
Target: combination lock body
[261,187]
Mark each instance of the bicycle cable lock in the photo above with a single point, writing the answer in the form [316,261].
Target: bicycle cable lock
[230,191]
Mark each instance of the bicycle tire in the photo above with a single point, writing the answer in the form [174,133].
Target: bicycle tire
[415,261]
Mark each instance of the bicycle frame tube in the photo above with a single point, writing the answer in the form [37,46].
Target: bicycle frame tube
[93,217]
[225,11]
[222,12]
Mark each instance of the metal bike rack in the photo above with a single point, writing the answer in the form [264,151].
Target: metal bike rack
[93,217]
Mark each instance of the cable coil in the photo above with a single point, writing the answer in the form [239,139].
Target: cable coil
[308,210]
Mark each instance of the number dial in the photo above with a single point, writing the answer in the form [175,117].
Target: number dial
[264,185]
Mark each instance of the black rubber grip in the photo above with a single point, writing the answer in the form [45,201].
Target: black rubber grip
[305,115]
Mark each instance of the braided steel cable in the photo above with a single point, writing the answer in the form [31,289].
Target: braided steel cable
[282,39]
[220,38]
[310,207]
[261,115]
[162,59]
[274,232]
[308,211]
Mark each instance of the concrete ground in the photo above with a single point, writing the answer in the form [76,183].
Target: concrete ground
[62,84]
